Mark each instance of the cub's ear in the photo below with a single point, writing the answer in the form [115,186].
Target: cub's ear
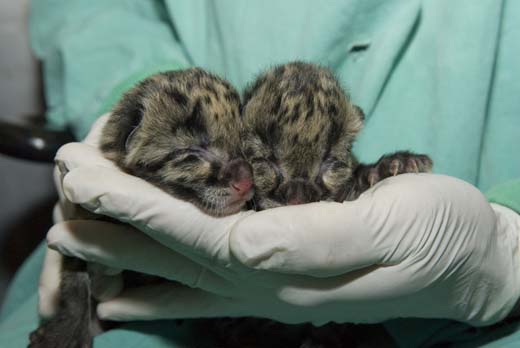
[125,119]
[360,113]
[355,120]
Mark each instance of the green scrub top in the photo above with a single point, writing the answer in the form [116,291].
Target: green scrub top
[434,76]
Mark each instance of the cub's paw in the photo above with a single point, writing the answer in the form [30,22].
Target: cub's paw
[397,163]
[39,339]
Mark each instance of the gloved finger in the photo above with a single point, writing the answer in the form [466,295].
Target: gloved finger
[165,301]
[96,268]
[382,227]
[106,287]
[370,295]
[94,136]
[73,155]
[64,209]
[107,282]
[48,288]
[122,246]
[320,239]
[59,213]
[171,221]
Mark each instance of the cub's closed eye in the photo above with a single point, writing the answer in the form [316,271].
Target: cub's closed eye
[187,155]
[188,159]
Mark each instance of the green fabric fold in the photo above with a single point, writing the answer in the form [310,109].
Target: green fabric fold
[118,91]
[506,194]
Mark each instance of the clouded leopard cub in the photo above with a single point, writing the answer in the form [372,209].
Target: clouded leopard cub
[300,126]
[180,131]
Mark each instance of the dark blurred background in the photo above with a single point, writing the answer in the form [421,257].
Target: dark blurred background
[26,191]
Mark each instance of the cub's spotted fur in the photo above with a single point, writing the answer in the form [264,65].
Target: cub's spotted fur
[180,131]
[300,127]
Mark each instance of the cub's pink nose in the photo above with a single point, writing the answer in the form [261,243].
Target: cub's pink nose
[295,201]
[242,186]
[240,177]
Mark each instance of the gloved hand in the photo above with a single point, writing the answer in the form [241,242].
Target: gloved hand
[48,290]
[416,245]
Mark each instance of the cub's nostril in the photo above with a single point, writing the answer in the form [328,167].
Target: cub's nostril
[239,176]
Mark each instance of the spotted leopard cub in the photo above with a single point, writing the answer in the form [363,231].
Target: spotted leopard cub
[300,128]
[180,131]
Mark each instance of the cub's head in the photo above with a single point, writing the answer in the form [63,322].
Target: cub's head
[299,126]
[180,131]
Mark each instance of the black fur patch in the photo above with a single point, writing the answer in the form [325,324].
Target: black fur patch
[178,96]
[195,123]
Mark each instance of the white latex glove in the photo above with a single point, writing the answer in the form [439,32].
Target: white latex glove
[48,289]
[416,245]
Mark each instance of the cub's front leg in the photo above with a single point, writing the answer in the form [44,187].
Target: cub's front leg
[401,162]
